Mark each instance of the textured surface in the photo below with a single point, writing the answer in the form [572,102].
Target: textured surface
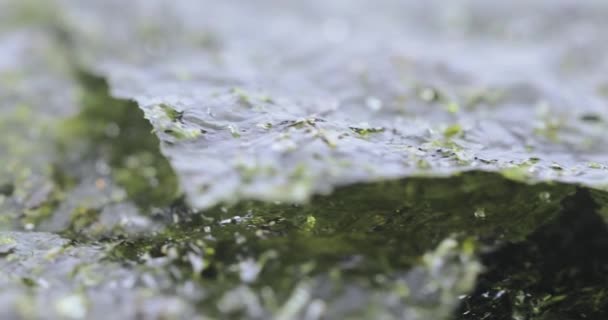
[280,101]
[35,92]
[46,277]
[353,105]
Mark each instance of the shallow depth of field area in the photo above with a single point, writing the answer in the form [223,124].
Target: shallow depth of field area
[267,159]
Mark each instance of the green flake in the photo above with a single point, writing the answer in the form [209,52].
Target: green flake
[452,131]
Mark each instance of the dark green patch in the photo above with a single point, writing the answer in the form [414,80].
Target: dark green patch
[83,218]
[560,272]
[117,131]
[364,234]
[7,189]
